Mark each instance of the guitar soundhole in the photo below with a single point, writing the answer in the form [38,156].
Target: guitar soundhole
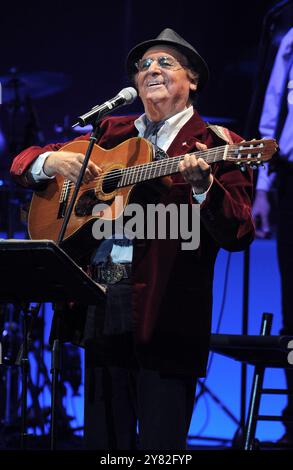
[86,202]
[111,180]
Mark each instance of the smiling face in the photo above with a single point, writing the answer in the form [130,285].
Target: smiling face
[165,92]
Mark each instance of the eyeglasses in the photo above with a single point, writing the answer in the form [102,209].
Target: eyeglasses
[163,62]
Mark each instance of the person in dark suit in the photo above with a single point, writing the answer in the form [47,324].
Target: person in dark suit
[276,121]
[147,348]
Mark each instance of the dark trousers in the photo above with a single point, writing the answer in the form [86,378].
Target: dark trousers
[285,258]
[120,401]
[127,405]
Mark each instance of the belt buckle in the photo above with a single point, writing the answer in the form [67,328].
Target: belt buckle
[112,272]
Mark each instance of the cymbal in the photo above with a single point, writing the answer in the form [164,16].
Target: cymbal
[33,84]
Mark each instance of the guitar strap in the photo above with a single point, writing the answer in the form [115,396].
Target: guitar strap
[221,132]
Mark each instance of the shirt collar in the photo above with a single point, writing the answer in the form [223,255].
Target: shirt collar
[178,120]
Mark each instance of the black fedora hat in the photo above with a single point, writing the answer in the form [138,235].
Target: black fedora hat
[170,38]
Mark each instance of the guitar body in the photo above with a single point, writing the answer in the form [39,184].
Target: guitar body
[123,167]
[48,206]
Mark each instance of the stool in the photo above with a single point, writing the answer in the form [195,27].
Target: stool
[262,351]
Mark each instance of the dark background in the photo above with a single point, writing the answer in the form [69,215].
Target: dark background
[88,43]
[68,57]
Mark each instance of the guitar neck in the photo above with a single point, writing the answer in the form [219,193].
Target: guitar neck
[167,166]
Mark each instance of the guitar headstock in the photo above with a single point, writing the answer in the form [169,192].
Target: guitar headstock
[251,151]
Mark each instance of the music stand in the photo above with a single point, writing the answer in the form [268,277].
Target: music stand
[40,271]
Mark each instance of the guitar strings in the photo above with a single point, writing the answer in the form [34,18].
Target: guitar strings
[127,174]
[167,164]
[150,166]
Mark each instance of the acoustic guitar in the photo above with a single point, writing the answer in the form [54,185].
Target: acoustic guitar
[134,161]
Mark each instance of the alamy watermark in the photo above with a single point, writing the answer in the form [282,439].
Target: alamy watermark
[152,221]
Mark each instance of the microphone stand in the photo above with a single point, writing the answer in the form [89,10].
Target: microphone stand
[55,362]
[93,139]
[29,317]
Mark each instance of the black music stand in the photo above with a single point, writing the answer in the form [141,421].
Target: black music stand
[40,271]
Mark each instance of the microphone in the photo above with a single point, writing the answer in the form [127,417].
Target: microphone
[125,96]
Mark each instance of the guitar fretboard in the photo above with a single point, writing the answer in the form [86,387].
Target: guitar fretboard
[166,166]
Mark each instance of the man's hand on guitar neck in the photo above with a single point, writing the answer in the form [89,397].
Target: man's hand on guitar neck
[196,171]
[68,164]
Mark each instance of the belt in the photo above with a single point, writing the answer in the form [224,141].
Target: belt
[110,273]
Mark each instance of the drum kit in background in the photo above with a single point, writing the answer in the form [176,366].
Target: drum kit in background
[20,127]
[19,116]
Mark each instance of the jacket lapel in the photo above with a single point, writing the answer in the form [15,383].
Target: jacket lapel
[193,131]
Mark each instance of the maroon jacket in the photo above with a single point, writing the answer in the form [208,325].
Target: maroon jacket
[172,289]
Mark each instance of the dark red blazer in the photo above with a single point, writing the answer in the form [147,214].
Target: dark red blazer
[172,289]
